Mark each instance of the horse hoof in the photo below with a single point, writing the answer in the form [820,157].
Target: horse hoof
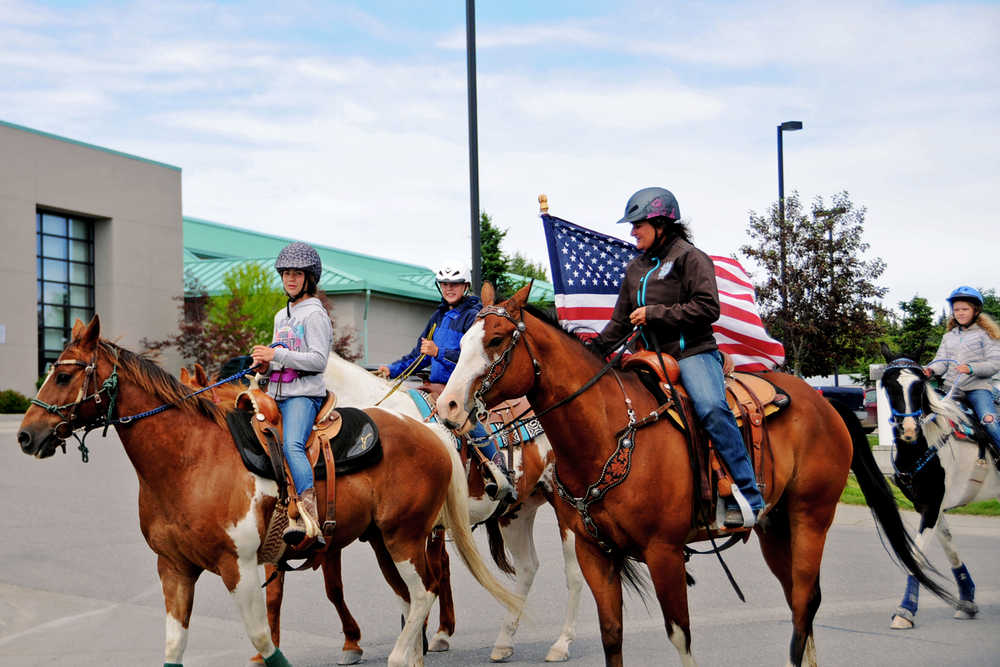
[557,654]
[900,623]
[501,653]
[439,643]
[966,610]
[350,657]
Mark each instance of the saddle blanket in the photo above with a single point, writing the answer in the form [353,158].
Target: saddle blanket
[356,446]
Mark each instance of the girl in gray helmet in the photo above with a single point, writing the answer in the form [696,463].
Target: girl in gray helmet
[303,335]
[669,292]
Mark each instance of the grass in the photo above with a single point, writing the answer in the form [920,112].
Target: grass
[852,496]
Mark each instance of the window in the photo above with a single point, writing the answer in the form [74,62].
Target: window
[65,257]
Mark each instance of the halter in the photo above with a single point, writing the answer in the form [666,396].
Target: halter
[904,363]
[504,357]
[65,428]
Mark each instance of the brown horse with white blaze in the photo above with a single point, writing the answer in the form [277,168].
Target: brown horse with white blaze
[200,509]
[646,515]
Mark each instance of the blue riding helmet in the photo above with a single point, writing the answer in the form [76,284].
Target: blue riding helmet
[966,293]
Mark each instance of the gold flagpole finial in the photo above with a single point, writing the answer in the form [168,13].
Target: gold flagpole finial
[543,204]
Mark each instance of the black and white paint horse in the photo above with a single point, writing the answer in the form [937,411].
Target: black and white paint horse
[938,465]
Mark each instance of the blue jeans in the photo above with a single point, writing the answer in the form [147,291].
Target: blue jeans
[702,377]
[298,414]
[489,450]
[981,401]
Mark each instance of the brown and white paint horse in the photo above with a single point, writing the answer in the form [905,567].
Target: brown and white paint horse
[356,387]
[201,510]
[646,513]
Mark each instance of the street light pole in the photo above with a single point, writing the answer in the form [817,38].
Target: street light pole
[789,126]
[470,55]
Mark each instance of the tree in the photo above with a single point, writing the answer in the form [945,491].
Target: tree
[213,329]
[494,262]
[917,334]
[833,313]
[523,266]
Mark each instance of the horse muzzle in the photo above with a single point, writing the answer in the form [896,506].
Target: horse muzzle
[41,445]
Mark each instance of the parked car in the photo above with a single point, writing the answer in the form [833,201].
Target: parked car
[871,408]
[855,399]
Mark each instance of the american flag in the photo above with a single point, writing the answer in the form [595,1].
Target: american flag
[587,271]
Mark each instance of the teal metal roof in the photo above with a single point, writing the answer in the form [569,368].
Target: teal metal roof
[212,249]
[210,274]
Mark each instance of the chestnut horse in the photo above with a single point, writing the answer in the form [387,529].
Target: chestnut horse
[200,509]
[533,466]
[645,512]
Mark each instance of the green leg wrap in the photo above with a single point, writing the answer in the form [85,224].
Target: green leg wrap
[172,664]
[278,659]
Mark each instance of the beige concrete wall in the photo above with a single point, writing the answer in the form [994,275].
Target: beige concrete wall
[138,244]
[392,328]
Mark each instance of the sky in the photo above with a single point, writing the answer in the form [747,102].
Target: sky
[345,123]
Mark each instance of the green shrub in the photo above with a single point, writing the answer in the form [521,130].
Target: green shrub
[13,402]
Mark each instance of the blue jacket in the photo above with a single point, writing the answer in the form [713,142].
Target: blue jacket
[451,324]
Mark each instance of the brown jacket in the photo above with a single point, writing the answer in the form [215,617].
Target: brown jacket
[681,299]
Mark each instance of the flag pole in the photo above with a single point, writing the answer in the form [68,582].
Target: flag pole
[543,204]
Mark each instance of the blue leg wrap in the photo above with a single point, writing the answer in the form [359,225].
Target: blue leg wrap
[966,587]
[912,594]
[277,659]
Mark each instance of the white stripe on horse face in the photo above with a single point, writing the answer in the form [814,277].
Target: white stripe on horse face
[907,379]
[472,361]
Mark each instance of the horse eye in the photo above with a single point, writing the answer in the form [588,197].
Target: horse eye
[495,341]
[62,378]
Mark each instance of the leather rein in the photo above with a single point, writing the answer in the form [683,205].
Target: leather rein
[110,387]
[617,466]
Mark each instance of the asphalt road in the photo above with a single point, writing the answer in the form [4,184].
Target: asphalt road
[78,587]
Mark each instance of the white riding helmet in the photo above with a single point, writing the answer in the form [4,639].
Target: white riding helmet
[452,272]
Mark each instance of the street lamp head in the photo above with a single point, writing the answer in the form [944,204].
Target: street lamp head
[790,125]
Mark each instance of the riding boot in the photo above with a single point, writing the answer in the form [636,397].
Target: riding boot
[295,531]
[498,484]
[308,505]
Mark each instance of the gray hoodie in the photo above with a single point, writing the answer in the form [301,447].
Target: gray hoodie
[970,345]
[308,335]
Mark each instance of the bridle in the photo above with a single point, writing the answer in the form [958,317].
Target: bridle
[109,387]
[902,363]
[503,358]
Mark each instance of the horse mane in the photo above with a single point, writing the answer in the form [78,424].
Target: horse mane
[936,431]
[545,317]
[154,380]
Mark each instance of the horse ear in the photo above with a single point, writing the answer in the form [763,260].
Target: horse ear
[185,375]
[200,376]
[489,293]
[887,353]
[521,296]
[77,329]
[91,333]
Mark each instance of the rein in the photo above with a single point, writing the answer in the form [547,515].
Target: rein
[110,387]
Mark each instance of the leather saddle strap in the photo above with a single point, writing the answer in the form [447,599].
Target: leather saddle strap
[277,460]
[329,524]
[697,446]
[758,432]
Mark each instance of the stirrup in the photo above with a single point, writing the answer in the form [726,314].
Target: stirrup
[499,487]
[736,511]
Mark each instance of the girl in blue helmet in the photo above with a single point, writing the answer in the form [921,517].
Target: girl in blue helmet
[669,292]
[453,317]
[303,336]
[969,356]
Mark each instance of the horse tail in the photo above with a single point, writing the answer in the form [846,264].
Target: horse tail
[456,519]
[882,503]
[498,549]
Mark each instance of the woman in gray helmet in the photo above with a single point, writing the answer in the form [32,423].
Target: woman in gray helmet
[669,292]
[303,335]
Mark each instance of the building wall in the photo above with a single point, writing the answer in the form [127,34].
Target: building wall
[392,327]
[138,245]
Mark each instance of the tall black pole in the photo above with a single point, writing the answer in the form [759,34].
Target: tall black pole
[470,51]
[781,232]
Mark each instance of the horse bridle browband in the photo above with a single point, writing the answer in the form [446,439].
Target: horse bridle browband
[65,428]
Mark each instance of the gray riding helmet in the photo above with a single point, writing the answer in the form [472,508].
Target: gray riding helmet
[302,256]
[651,203]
